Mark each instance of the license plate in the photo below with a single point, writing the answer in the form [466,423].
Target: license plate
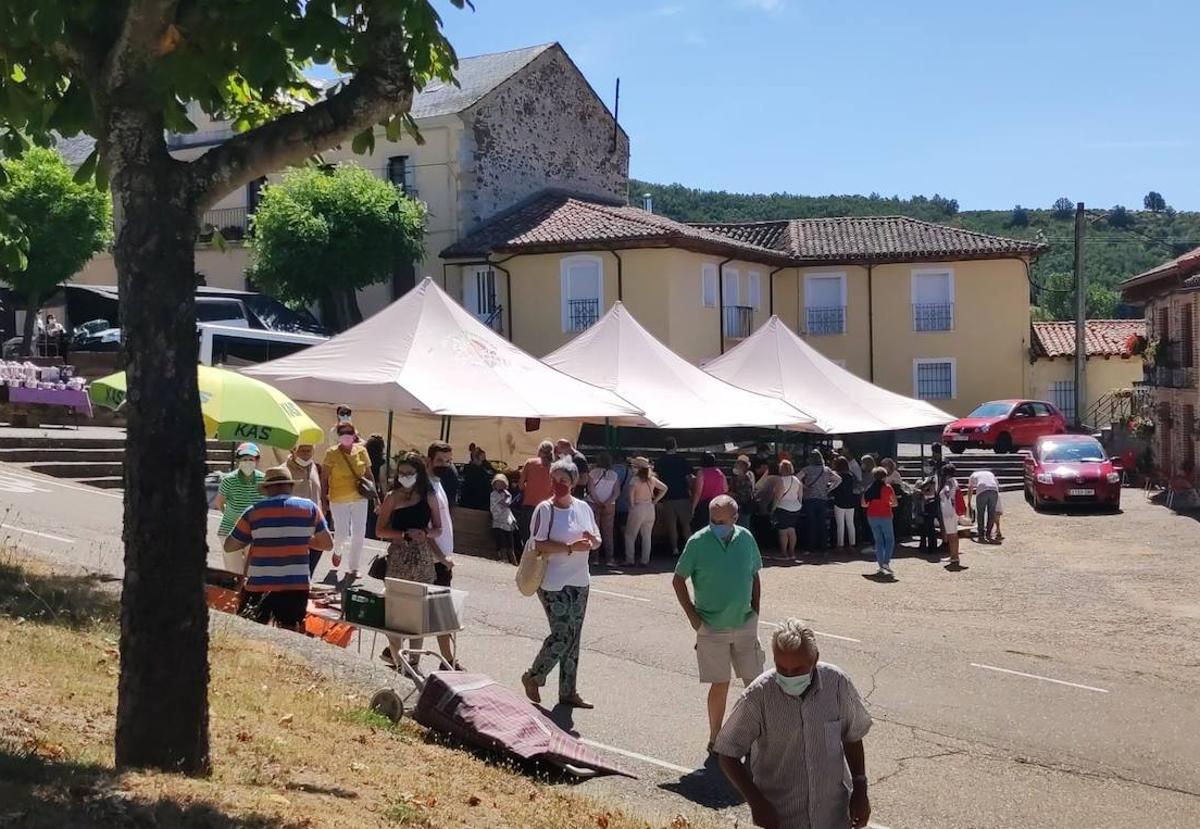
[958,437]
[1081,492]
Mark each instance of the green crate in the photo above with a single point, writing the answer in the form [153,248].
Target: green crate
[364,607]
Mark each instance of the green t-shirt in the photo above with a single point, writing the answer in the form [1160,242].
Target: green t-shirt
[240,493]
[722,576]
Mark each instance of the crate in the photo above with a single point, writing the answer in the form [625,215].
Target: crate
[364,607]
[417,609]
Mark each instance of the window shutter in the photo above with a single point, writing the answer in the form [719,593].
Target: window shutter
[708,287]
[755,290]
[732,281]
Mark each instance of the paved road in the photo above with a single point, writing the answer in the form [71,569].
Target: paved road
[1053,683]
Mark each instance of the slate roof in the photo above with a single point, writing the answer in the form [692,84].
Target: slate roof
[1103,338]
[873,239]
[559,220]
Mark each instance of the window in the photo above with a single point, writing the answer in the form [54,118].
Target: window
[824,303]
[732,281]
[708,286]
[737,316]
[755,287]
[934,379]
[397,172]
[933,300]
[479,295]
[582,291]
[1187,342]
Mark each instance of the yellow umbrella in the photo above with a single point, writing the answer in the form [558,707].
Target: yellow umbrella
[235,407]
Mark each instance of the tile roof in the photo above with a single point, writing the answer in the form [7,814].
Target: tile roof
[1183,266]
[1104,338]
[553,220]
[874,238]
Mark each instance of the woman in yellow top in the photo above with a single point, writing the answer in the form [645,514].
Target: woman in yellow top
[343,467]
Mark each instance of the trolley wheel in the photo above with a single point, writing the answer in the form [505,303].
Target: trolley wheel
[387,703]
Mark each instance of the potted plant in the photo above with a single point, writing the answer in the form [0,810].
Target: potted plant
[1135,344]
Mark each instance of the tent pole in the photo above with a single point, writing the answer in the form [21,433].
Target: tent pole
[387,457]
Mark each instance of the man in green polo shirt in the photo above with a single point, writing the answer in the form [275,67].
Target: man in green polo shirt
[723,561]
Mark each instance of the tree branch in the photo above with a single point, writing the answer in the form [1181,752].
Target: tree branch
[146,23]
[382,87]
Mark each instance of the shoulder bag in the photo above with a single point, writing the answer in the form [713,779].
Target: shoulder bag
[531,570]
[366,488]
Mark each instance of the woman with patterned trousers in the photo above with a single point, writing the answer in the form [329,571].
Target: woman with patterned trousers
[564,530]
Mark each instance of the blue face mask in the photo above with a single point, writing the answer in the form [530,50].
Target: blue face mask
[723,532]
[794,686]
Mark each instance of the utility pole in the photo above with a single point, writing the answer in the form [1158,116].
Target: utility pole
[1080,320]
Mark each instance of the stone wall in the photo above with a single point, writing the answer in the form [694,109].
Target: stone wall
[544,127]
[1174,409]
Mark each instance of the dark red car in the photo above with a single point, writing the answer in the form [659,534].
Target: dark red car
[1003,425]
[1071,469]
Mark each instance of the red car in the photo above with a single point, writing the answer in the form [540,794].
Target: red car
[1003,425]
[1071,469]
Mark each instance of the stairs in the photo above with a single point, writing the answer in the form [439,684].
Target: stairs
[1008,469]
[86,460]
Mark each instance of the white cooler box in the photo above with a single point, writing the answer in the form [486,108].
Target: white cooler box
[416,608]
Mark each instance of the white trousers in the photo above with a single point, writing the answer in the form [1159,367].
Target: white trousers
[844,522]
[350,523]
[640,522]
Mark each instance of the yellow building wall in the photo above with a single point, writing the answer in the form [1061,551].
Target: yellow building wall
[1103,375]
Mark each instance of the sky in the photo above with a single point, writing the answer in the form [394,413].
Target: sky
[991,103]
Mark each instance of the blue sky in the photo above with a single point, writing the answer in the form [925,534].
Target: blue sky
[992,103]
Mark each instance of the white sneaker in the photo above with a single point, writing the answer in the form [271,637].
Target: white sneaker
[887,569]
[882,572]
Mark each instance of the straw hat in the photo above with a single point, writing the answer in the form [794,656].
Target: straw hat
[640,463]
[276,476]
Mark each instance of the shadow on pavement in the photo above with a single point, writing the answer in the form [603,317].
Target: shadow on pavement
[706,786]
[55,599]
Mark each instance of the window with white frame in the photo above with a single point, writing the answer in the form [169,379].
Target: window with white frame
[732,281]
[708,286]
[824,303]
[737,316]
[754,288]
[935,379]
[582,291]
[933,300]
[479,294]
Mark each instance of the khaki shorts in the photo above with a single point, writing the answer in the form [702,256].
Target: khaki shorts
[719,651]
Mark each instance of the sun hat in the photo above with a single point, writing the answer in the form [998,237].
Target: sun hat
[640,463]
[247,450]
[743,459]
[276,476]
[500,476]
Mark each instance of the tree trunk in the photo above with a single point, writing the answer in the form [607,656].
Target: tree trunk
[32,305]
[162,703]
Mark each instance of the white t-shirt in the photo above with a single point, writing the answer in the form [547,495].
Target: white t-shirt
[565,569]
[983,480]
[445,539]
[604,483]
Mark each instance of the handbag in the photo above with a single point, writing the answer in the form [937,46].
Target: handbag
[378,568]
[531,570]
[365,487]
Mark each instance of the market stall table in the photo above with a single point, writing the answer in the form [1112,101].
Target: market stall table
[74,399]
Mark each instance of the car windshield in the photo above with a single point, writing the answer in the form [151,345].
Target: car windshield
[1077,451]
[992,410]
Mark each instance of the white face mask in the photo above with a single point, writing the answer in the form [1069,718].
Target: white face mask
[305,462]
[407,481]
[247,466]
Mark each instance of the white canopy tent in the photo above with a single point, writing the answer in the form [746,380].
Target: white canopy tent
[774,361]
[618,354]
[425,354]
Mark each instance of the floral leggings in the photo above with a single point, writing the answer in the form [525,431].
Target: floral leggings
[564,611]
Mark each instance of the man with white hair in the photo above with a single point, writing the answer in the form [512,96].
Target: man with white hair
[802,725]
[723,561]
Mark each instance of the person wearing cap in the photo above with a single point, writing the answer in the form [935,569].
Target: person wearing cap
[308,485]
[344,465]
[741,487]
[645,491]
[503,521]
[279,530]
[344,415]
[238,489]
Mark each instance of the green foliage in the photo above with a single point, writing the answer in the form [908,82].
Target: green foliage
[328,231]
[1111,254]
[1119,217]
[1019,217]
[65,222]
[1154,202]
[1063,208]
[1056,298]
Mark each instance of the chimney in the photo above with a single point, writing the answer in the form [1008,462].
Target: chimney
[648,202]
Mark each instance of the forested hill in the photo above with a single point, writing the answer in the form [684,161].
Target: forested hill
[1118,243]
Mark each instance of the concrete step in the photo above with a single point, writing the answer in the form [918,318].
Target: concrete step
[81,469]
[79,454]
[103,483]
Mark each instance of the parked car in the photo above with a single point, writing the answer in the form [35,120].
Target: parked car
[1071,469]
[1004,425]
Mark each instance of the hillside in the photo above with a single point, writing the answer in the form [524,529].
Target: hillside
[1117,245]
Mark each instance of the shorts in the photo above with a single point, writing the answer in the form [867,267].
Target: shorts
[442,575]
[785,519]
[287,607]
[738,649]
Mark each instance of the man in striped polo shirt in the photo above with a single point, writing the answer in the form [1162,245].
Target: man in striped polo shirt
[280,530]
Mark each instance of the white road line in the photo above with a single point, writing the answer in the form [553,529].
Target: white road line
[633,755]
[620,595]
[818,632]
[48,481]
[38,534]
[1042,678]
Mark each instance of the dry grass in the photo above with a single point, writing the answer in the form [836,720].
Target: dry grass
[290,749]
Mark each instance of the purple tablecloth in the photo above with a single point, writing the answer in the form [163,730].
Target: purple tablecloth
[70,398]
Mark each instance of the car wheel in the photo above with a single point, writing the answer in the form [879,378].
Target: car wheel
[958,448]
[1037,502]
[1028,495]
[1004,444]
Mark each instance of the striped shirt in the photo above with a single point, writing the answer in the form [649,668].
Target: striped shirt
[240,493]
[278,531]
[795,745]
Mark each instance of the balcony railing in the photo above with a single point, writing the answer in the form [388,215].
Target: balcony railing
[233,223]
[827,320]
[738,321]
[582,313]
[407,183]
[933,316]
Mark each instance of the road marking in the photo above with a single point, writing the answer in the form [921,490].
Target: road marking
[633,755]
[1042,678]
[19,486]
[818,632]
[94,490]
[38,534]
[619,595]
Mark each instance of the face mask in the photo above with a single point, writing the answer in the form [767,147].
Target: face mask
[304,462]
[407,481]
[793,686]
[561,490]
[343,418]
[723,532]
[346,440]
[247,467]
